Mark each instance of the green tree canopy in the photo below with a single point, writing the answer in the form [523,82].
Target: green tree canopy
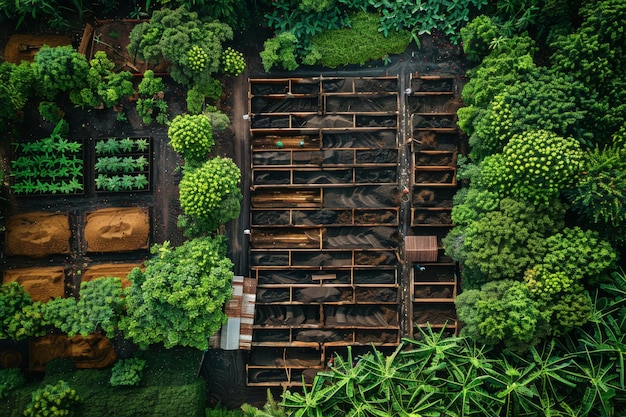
[535,166]
[210,194]
[59,69]
[501,311]
[503,243]
[13,299]
[178,300]
[191,44]
[192,137]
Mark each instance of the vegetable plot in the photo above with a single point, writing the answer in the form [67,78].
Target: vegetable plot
[52,165]
[122,164]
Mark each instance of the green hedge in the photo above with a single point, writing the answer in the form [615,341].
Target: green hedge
[169,388]
[366,42]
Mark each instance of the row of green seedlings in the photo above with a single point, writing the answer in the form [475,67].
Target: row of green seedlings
[52,165]
[121,173]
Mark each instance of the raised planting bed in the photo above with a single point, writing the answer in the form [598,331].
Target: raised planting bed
[52,165]
[117,229]
[122,165]
[37,234]
[118,270]
[41,283]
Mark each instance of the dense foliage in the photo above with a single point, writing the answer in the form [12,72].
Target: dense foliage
[103,87]
[98,308]
[210,194]
[305,32]
[364,34]
[53,400]
[192,45]
[192,137]
[17,85]
[536,143]
[10,379]
[13,299]
[180,295]
[59,69]
[127,372]
[535,167]
[577,374]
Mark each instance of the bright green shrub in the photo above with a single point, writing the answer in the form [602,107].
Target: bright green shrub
[560,297]
[98,308]
[103,87]
[477,37]
[127,372]
[30,321]
[579,253]
[150,84]
[191,136]
[180,295]
[59,69]
[366,41]
[471,204]
[571,310]
[10,379]
[195,101]
[501,312]
[233,61]
[211,192]
[280,51]
[490,129]
[546,286]
[192,45]
[53,400]
[211,88]
[535,166]
[13,299]
[541,101]
[17,85]
[153,108]
[197,58]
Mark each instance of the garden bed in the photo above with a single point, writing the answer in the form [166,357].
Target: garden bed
[122,165]
[117,229]
[112,37]
[38,234]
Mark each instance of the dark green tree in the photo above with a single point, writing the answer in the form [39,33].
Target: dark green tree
[501,312]
[599,199]
[191,44]
[505,242]
[60,69]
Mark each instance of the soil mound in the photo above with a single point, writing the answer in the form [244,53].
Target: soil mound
[42,284]
[38,234]
[117,230]
[111,270]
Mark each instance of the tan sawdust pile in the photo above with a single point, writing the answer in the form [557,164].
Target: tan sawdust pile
[38,234]
[42,283]
[117,230]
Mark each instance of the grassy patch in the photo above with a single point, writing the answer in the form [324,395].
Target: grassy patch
[360,43]
[169,388]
